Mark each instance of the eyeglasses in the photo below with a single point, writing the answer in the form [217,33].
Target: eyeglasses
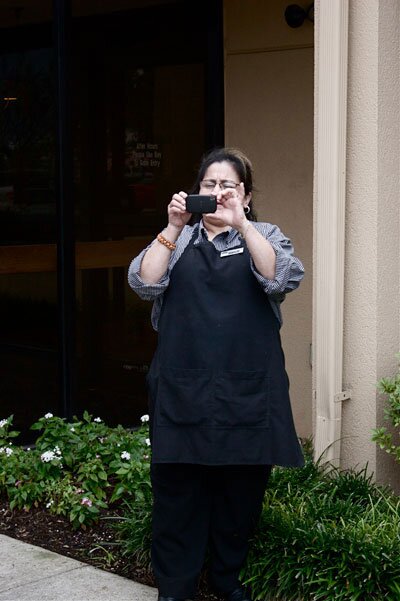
[209,184]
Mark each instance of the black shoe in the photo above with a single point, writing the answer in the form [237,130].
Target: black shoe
[239,594]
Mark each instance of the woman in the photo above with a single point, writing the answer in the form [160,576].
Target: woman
[219,402]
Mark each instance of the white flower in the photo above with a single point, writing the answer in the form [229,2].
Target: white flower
[51,455]
[48,415]
[72,429]
[86,501]
[125,455]
[145,418]
[147,441]
[50,503]
[101,439]
[9,451]
[48,456]
[3,423]
[97,419]
[28,449]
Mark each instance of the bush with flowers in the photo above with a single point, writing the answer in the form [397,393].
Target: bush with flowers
[325,534]
[76,468]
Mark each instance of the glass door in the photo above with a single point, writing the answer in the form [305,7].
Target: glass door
[139,130]
[28,279]
[147,102]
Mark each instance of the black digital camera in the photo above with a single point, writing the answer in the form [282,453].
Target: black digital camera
[200,203]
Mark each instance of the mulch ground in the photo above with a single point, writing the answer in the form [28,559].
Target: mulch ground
[91,546]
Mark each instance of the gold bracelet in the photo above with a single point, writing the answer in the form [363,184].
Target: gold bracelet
[165,242]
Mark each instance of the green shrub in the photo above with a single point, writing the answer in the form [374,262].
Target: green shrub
[134,533]
[335,537]
[5,432]
[384,438]
[324,534]
[75,469]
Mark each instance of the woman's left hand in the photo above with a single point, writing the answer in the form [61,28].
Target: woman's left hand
[230,207]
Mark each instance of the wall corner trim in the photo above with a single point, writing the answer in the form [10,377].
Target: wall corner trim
[329,223]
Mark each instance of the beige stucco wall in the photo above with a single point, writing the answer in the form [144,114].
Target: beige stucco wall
[372,293]
[269,84]
[269,115]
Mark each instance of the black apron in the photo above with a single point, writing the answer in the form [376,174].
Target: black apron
[219,393]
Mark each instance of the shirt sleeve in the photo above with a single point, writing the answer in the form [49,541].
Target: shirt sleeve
[146,291]
[289,270]
[152,292]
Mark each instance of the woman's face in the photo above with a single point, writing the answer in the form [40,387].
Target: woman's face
[219,173]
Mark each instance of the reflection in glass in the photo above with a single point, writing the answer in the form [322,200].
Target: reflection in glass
[141,138]
[28,347]
[138,131]
[27,197]
[28,310]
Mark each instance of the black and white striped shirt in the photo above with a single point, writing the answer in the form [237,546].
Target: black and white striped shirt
[288,273]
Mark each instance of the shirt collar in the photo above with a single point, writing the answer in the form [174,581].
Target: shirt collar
[202,233]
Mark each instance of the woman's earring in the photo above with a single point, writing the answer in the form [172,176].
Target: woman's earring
[248,209]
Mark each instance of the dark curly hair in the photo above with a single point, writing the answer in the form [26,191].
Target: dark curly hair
[239,162]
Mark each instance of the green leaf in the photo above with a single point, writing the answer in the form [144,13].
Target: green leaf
[122,471]
[119,491]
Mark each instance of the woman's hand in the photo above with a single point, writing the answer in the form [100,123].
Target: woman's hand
[178,217]
[232,203]
[156,259]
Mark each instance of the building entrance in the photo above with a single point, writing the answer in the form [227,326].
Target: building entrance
[144,89]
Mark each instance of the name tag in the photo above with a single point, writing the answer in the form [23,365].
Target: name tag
[233,251]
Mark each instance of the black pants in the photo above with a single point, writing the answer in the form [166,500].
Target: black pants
[196,506]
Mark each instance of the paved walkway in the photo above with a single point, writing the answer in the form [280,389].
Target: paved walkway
[29,573]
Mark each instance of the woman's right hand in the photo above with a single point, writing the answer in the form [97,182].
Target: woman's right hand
[156,259]
[177,214]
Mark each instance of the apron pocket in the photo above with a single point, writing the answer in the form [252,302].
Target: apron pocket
[242,399]
[183,397]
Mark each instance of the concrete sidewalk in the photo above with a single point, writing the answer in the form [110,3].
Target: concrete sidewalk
[29,573]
